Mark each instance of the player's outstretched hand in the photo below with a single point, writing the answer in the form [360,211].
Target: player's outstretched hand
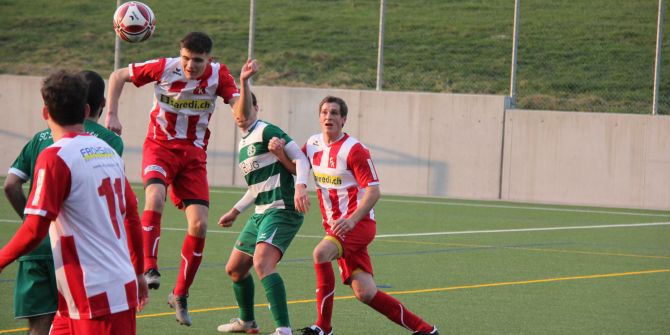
[301,199]
[227,219]
[249,69]
[112,123]
[143,291]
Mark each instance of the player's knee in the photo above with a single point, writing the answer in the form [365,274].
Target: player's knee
[325,252]
[264,269]
[198,227]
[320,256]
[155,201]
[234,274]
[364,294]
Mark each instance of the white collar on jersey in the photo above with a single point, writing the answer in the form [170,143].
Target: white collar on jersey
[337,140]
[250,129]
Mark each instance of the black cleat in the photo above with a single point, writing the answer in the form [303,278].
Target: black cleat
[314,330]
[153,279]
[434,332]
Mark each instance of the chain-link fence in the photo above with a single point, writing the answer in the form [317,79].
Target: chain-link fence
[594,55]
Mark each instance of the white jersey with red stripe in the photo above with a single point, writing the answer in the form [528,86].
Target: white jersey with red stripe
[342,171]
[182,108]
[80,186]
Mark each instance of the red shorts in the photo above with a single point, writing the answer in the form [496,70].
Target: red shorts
[353,248]
[117,323]
[179,165]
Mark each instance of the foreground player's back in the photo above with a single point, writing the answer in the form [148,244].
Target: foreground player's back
[82,179]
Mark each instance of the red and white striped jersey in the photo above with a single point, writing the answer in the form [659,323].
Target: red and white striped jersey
[80,185]
[182,107]
[342,171]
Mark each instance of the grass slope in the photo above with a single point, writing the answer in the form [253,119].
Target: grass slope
[573,55]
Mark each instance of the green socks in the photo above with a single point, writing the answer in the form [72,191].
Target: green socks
[244,294]
[276,295]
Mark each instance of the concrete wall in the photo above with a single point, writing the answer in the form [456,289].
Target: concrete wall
[587,158]
[424,143]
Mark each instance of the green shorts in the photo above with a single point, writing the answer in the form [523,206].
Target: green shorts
[277,227]
[35,292]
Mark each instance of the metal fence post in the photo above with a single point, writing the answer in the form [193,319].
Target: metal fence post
[252,28]
[515,46]
[117,45]
[380,46]
[657,67]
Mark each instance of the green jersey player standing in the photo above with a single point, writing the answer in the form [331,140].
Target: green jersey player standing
[279,203]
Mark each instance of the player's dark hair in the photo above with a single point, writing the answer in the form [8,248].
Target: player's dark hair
[198,42]
[64,94]
[331,99]
[96,92]
[254,102]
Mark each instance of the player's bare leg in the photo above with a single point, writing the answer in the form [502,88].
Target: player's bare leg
[39,325]
[366,291]
[151,231]
[191,257]
[238,267]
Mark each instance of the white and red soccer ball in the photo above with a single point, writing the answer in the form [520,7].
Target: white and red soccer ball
[134,22]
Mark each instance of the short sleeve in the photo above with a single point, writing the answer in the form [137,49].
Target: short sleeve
[21,166]
[227,88]
[25,161]
[273,131]
[147,72]
[360,163]
[51,185]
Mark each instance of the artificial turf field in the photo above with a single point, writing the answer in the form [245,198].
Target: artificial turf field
[470,267]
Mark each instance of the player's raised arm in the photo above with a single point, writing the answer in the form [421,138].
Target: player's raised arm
[242,105]
[117,79]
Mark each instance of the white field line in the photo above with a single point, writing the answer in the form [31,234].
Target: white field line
[450,203]
[447,203]
[520,230]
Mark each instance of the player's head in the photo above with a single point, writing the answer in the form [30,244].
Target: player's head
[198,42]
[195,54]
[96,93]
[332,115]
[253,115]
[64,94]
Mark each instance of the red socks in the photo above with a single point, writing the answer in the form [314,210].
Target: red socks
[151,234]
[191,256]
[398,313]
[325,294]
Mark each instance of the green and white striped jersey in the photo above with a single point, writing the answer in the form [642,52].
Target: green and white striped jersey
[269,181]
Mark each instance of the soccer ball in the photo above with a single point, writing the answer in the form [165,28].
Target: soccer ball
[134,22]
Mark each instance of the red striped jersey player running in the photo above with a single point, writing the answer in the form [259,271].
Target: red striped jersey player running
[348,188]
